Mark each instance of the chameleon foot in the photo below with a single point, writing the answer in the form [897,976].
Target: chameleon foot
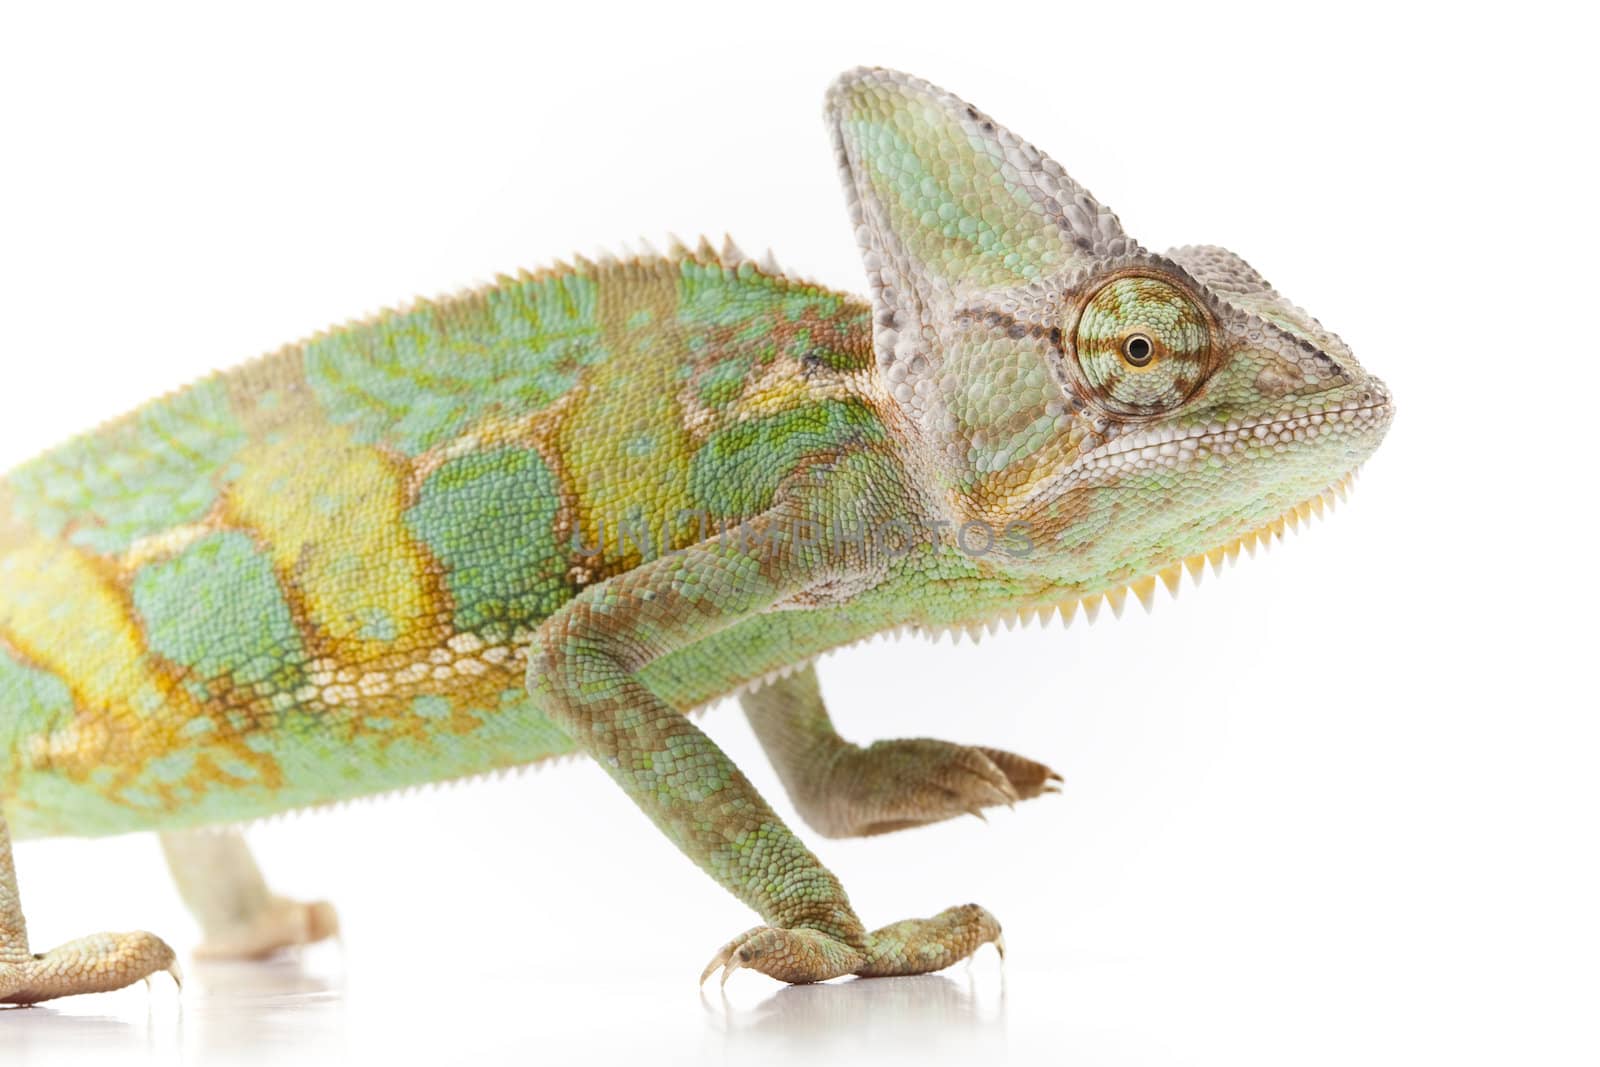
[94,964]
[845,790]
[282,924]
[893,785]
[240,916]
[913,946]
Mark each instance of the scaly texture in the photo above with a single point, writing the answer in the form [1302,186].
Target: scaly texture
[554,514]
[844,790]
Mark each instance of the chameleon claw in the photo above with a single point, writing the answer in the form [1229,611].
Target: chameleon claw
[994,797]
[711,968]
[174,970]
[724,954]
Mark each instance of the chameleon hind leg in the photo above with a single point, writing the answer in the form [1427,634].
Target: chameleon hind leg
[585,673]
[845,790]
[240,917]
[95,964]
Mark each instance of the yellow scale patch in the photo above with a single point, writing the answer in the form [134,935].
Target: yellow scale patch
[330,513]
[623,442]
[72,620]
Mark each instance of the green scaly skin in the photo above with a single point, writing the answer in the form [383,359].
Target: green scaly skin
[554,514]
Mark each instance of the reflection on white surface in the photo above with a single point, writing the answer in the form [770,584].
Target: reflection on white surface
[308,1010]
[915,1017]
[226,1013]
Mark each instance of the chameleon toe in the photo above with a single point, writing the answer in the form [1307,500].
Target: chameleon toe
[919,946]
[95,964]
[796,956]
[284,924]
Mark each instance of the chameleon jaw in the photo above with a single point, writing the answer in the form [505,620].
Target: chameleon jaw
[1144,588]
[1167,446]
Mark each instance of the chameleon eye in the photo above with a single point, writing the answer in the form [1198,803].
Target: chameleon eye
[1138,350]
[1143,345]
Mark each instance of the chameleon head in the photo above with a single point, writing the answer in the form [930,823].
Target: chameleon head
[1214,410]
[1132,411]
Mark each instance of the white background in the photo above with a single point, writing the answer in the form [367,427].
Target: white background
[1339,806]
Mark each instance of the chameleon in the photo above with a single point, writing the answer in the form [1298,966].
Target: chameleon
[556,514]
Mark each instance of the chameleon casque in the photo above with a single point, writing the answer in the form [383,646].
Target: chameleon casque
[554,514]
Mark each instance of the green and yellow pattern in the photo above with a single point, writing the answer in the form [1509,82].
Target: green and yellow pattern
[314,577]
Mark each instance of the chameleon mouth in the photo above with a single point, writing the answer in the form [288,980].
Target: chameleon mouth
[1144,588]
[1368,415]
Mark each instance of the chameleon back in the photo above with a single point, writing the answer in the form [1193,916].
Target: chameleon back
[313,577]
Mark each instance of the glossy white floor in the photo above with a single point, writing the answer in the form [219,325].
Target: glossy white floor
[390,1007]
[309,1011]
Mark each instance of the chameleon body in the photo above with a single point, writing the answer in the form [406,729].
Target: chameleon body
[554,514]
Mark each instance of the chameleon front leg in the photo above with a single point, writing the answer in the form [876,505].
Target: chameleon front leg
[585,673]
[95,964]
[845,790]
[241,918]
